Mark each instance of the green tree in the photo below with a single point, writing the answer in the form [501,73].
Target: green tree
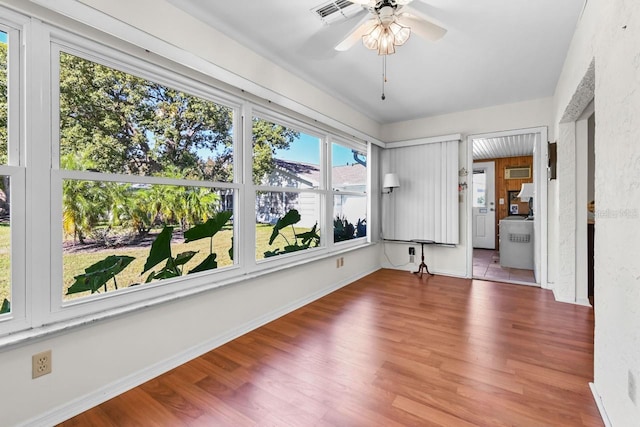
[185,125]
[5,196]
[3,104]
[114,122]
[126,124]
[84,203]
[102,112]
[267,137]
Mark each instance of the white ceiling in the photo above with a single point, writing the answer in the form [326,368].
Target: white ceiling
[495,52]
[504,146]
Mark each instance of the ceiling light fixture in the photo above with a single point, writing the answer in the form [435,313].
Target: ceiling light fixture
[385,37]
[386,34]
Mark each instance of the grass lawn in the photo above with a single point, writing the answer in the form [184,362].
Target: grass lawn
[74,263]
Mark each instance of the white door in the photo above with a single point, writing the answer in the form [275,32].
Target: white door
[484,206]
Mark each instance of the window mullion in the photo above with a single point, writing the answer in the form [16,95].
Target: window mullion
[38,157]
[247,236]
[139,179]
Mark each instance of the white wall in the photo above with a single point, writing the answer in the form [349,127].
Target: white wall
[522,115]
[610,33]
[518,115]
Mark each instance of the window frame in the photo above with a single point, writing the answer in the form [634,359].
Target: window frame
[38,307]
[366,194]
[59,309]
[321,191]
[14,25]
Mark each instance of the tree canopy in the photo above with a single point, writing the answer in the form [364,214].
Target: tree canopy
[3,104]
[114,122]
[120,123]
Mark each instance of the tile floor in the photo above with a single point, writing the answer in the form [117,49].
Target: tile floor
[486,265]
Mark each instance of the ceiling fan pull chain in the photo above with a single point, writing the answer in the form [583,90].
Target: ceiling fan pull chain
[384,74]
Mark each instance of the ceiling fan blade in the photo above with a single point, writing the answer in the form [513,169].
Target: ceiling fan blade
[355,35]
[422,27]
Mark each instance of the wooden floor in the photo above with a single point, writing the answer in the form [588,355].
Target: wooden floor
[388,350]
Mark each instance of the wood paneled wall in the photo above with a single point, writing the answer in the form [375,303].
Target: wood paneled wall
[503,186]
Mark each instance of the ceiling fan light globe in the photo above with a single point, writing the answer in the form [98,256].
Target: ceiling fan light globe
[385,45]
[371,40]
[400,33]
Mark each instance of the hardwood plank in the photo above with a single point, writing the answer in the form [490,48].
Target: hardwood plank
[391,350]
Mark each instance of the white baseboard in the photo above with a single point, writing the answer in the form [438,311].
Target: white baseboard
[584,301]
[600,405]
[77,406]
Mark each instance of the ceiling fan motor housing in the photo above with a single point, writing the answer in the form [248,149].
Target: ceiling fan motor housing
[386,15]
[385,3]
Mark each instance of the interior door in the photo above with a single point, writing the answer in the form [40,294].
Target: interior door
[484,206]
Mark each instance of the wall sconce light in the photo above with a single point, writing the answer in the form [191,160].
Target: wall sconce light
[390,181]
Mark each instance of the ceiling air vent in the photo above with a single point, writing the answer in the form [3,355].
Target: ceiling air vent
[520,172]
[337,10]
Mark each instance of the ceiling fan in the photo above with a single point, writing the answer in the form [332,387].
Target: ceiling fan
[389,24]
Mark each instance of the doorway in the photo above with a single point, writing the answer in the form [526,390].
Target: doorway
[516,157]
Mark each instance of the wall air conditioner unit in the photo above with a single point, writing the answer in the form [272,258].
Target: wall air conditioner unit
[520,172]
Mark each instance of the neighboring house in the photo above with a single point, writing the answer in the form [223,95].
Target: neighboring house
[299,175]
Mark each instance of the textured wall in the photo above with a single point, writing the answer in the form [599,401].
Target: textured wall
[610,33]
[565,284]
[617,192]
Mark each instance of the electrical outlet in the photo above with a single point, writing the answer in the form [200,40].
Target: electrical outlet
[41,364]
[412,250]
[412,259]
[632,386]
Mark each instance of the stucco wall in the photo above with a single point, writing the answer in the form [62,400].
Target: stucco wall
[610,33]
[617,193]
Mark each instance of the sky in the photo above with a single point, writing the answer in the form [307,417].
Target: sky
[3,37]
[306,149]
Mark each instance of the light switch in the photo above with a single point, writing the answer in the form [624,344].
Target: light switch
[501,201]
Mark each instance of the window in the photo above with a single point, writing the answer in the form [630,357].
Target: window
[349,185]
[142,177]
[479,188]
[5,186]
[286,221]
[146,176]
[12,185]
